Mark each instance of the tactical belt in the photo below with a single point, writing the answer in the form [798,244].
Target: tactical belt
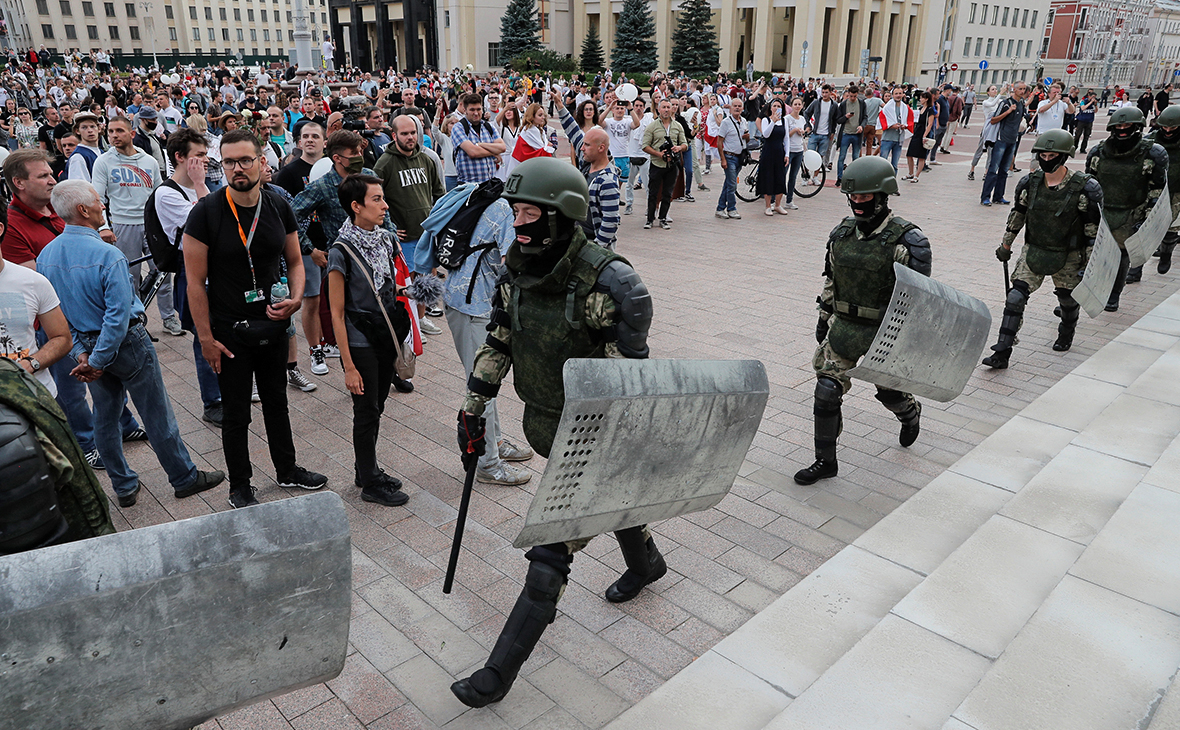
[859,312]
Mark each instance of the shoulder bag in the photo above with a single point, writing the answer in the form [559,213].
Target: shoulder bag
[405,362]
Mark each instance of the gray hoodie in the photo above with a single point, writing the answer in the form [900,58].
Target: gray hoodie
[124,183]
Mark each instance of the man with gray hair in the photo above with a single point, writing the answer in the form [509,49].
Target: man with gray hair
[113,349]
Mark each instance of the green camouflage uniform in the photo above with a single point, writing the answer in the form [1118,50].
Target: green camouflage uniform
[1131,183]
[1066,262]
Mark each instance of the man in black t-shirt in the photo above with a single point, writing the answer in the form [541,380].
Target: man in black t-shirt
[233,240]
[1163,100]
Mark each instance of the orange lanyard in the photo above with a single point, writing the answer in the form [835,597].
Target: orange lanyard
[247,240]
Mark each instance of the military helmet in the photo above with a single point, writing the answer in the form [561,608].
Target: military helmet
[869,175]
[1170,117]
[1054,140]
[1126,115]
[550,182]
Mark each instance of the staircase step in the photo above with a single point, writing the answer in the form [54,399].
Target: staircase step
[1166,715]
[1014,454]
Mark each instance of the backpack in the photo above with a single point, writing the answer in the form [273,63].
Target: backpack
[452,246]
[165,253]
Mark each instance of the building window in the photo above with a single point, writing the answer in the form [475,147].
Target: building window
[266,36]
[978,46]
[1044,47]
[966,46]
[989,48]
[1024,19]
[88,9]
[212,34]
[47,30]
[291,36]
[208,13]
[65,7]
[221,13]
[974,74]
[250,15]
[1033,22]
[237,14]
[225,34]
[192,13]
[114,31]
[324,17]
[983,16]
[1005,76]
[543,20]
[494,55]
[253,36]
[130,9]
[289,16]
[241,37]
[263,16]
[92,32]
[1004,22]
[996,15]
[71,33]
[972,18]
[43,7]
[1024,75]
[109,9]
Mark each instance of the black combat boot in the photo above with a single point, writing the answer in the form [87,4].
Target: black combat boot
[1069,320]
[1120,280]
[908,411]
[1165,252]
[644,562]
[1134,275]
[1009,326]
[829,394]
[534,610]
[998,360]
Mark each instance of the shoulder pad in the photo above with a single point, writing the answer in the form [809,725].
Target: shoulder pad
[846,226]
[1158,154]
[1028,180]
[919,247]
[1093,154]
[634,306]
[1092,188]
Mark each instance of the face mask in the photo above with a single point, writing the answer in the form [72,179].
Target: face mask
[538,234]
[1051,165]
[150,125]
[1167,136]
[355,164]
[1126,135]
[868,210]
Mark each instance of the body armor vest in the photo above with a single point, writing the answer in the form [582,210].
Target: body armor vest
[862,273]
[29,516]
[1125,184]
[547,329]
[1057,223]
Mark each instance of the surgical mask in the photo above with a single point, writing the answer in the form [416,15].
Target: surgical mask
[355,164]
[1051,165]
[149,124]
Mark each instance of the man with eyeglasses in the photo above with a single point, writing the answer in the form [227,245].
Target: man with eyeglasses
[241,325]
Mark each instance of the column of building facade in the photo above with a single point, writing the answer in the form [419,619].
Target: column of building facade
[727,22]
[606,28]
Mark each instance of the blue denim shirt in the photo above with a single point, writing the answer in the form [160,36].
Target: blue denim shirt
[495,225]
[93,282]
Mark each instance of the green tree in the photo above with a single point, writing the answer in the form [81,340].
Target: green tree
[694,42]
[518,29]
[592,51]
[634,51]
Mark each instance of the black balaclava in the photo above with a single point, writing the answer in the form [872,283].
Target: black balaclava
[1124,139]
[549,239]
[1051,165]
[871,213]
[1166,136]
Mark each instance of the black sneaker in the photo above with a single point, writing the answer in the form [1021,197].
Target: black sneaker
[434,312]
[205,480]
[303,479]
[403,386]
[213,414]
[129,500]
[384,494]
[382,479]
[241,496]
[95,460]
[135,434]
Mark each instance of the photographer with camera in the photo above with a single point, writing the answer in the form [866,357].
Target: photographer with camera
[376,133]
[663,141]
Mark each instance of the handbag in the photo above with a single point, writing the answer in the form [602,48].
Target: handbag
[928,142]
[405,362]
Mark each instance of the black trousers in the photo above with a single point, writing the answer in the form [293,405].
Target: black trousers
[1082,133]
[660,182]
[268,366]
[376,369]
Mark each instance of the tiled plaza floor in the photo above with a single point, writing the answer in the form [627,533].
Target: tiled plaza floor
[722,289]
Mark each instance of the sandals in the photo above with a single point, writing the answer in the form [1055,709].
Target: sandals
[913,179]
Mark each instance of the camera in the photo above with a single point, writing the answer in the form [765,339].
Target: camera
[672,158]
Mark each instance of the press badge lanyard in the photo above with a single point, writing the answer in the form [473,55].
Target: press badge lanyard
[255,294]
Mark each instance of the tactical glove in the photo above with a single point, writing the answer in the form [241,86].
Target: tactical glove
[821,330]
[471,437]
[1003,254]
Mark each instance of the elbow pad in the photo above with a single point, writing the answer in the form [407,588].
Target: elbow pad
[919,247]
[633,304]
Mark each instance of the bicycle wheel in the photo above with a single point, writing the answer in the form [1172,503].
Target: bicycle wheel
[747,183]
[815,177]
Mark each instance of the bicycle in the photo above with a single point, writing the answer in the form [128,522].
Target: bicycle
[812,175]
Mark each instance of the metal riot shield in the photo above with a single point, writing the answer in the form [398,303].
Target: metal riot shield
[644,440]
[1093,291]
[165,627]
[929,340]
[1143,243]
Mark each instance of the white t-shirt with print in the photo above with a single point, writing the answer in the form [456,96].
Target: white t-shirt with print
[24,295]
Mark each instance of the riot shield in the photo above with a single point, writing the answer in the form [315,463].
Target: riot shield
[644,440]
[165,627]
[1142,244]
[1094,289]
[929,340]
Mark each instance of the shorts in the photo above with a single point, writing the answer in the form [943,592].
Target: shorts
[313,275]
[624,165]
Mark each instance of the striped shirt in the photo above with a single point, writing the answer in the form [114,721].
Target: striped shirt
[604,206]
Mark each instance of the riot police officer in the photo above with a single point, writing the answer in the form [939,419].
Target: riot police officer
[1132,172]
[1065,208]
[1167,135]
[561,297]
[858,284]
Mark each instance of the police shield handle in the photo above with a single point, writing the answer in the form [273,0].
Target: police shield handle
[929,341]
[1093,291]
[1143,243]
[460,524]
[644,440]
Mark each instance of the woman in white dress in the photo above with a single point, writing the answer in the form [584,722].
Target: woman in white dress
[510,127]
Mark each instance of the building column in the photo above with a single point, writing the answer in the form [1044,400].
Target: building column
[581,22]
[358,37]
[606,28]
[467,51]
[763,32]
[805,15]
[728,23]
[837,38]
[664,34]
[860,37]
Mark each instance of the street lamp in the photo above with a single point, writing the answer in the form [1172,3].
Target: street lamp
[1038,66]
[147,6]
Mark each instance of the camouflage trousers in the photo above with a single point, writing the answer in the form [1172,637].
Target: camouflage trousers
[831,364]
[573,546]
[1068,277]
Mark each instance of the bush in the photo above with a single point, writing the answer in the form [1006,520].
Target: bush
[544,60]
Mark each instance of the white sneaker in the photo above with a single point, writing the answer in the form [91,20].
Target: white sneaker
[734,214]
[770,211]
[318,365]
[790,206]
[429,327]
[331,351]
[298,380]
[503,474]
[781,210]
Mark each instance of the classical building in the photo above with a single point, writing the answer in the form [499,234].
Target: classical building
[402,34]
[1108,41]
[993,42]
[1162,63]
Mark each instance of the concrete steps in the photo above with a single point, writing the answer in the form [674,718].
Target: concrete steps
[1035,584]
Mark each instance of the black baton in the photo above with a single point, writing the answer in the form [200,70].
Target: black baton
[460,523]
[1007,285]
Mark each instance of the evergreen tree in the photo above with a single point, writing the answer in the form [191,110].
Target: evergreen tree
[635,51]
[518,30]
[592,51]
[694,42]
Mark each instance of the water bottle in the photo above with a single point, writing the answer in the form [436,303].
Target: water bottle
[279,291]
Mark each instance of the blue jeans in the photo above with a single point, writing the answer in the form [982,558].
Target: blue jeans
[819,143]
[891,150]
[136,370]
[793,165]
[206,378]
[728,199]
[71,396]
[997,170]
[686,156]
[846,141]
[938,132]
[452,182]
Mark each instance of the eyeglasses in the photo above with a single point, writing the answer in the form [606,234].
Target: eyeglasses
[245,163]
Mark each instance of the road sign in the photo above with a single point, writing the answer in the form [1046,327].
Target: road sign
[954,67]
[1176,72]
[1071,69]
[1048,80]
[983,64]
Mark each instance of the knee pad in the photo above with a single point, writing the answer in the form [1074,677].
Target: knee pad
[829,394]
[1017,295]
[544,581]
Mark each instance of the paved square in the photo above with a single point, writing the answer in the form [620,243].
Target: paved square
[722,289]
